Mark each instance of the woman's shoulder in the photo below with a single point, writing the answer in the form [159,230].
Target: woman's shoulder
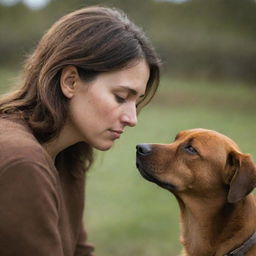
[17,143]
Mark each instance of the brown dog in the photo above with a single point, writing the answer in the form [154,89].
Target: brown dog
[212,181]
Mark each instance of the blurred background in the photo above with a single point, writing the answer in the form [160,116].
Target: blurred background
[208,49]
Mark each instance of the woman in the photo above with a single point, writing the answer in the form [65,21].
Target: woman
[84,83]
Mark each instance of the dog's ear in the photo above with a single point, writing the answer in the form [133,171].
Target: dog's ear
[242,175]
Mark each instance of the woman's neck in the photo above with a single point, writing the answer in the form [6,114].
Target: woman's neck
[65,139]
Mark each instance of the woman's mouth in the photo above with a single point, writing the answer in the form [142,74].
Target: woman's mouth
[116,133]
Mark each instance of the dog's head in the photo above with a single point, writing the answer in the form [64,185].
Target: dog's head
[200,162]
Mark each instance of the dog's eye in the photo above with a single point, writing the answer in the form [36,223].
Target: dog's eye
[191,150]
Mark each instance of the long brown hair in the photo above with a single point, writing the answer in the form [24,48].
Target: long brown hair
[94,40]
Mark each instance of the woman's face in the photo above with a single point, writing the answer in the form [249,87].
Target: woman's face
[100,110]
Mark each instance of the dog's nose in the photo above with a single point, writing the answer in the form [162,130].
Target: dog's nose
[144,149]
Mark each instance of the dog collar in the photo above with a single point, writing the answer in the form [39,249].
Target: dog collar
[244,248]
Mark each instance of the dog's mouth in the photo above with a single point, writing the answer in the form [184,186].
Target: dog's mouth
[150,177]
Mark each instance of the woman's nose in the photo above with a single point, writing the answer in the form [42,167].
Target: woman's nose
[129,117]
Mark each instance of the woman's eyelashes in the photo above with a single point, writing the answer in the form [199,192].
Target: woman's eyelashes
[123,99]
[120,99]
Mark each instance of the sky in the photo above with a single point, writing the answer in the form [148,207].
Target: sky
[33,4]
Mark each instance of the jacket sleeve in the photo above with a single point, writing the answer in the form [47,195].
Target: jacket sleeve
[29,211]
[82,248]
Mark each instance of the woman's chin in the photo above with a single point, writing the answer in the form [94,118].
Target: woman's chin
[104,147]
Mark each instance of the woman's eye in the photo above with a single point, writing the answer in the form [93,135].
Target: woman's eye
[119,99]
[191,150]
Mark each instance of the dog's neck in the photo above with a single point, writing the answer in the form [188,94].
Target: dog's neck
[218,219]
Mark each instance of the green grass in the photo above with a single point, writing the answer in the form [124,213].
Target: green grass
[127,215]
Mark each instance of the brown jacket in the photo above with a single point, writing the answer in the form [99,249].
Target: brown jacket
[41,208]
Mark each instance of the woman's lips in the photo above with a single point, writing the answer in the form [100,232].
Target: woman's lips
[116,133]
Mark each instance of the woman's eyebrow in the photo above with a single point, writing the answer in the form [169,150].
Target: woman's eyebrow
[131,91]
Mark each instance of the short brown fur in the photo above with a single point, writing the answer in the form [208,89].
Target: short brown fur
[212,186]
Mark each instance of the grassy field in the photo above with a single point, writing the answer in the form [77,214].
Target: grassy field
[126,215]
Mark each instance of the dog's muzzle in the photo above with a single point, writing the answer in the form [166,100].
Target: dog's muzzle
[143,152]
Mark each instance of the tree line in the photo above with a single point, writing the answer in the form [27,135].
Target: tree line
[207,38]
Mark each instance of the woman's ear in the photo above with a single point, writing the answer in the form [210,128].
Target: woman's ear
[68,81]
